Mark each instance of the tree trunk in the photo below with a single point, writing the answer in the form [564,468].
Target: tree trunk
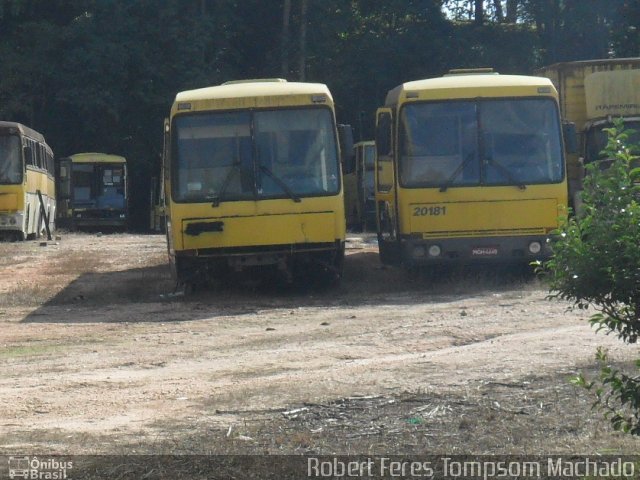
[284,51]
[497,4]
[512,11]
[303,40]
[479,12]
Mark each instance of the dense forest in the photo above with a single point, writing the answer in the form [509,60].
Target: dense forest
[100,75]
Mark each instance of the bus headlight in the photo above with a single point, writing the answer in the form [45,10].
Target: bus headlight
[435,251]
[419,251]
[535,247]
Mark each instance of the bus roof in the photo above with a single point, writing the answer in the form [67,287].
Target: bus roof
[93,157]
[252,94]
[23,129]
[471,86]
[601,62]
[253,88]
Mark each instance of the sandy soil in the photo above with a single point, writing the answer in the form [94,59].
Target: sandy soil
[99,356]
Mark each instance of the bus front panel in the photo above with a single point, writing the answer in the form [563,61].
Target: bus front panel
[479,178]
[98,194]
[243,182]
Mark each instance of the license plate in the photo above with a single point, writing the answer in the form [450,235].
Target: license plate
[484,251]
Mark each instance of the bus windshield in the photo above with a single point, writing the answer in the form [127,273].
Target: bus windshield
[484,142]
[10,160]
[99,186]
[255,155]
[597,139]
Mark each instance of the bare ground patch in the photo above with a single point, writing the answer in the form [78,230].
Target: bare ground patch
[99,357]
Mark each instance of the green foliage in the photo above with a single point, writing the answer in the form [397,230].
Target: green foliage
[101,75]
[596,263]
[626,36]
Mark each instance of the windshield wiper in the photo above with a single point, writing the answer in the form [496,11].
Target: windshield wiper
[505,171]
[280,183]
[215,199]
[445,186]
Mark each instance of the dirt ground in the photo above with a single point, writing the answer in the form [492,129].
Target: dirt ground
[98,356]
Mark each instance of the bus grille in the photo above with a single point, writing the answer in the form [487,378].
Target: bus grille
[486,233]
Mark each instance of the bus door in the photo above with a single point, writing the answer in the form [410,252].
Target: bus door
[385,185]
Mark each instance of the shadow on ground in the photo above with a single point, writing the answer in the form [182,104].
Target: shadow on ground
[148,294]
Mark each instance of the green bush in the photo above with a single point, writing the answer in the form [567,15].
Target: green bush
[596,263]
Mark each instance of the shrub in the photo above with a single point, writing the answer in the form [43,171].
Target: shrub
[596,263]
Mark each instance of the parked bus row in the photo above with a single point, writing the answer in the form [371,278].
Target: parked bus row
[471,166]
[83,190]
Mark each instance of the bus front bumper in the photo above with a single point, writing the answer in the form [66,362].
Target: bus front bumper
[107,218]
[10,222]
[512,249]
[262,255]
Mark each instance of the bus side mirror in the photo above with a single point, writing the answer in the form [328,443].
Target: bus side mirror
[383,134]
[345,136]
[570,137]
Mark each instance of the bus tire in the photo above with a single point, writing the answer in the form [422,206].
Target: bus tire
[328,269]
[388,251]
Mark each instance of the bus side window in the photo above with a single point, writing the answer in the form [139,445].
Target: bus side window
[43,157]
[39,156]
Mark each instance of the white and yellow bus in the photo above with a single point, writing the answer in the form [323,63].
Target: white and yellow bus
[93,191]
[470,166]
[253,179]
[27,185]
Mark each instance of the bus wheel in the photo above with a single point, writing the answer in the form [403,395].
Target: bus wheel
[328,270]
[338,262]
[188,275]
[388,251]
[413,271]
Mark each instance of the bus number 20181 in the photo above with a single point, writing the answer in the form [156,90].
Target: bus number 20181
[432,211]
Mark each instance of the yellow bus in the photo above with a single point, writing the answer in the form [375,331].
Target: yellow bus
[470,166]
[359,192]
[253,179]
[27,186]
[92,190]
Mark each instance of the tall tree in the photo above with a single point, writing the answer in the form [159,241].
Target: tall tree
[626,37]
[512,11]
[478,9]
[497,6]
[573,29]
[284,48]
[302,59]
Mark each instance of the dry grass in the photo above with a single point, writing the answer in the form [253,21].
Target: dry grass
[540,417]
[30,293]
[536,416]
